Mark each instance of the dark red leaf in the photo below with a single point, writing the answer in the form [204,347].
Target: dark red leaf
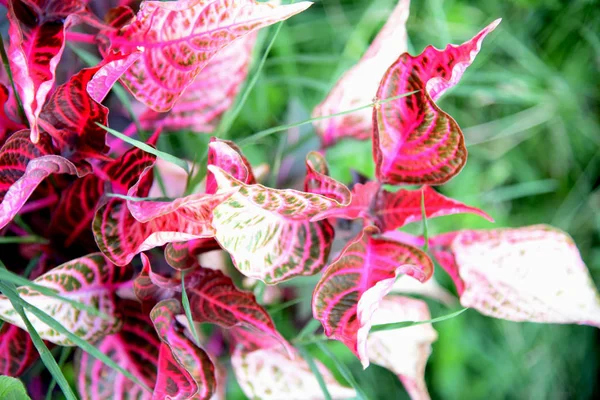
[17,352]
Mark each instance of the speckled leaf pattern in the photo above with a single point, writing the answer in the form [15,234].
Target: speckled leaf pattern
[91,280]
[17,352]
[201,105]
[414,141]
[184,255]
[178,39]
[227,156]
[215,299]
[318,181]
[268,232]
[392,210]
[352,287]
[185,371]
[134,348]
[25,166]
[533,274]
[358,86]
[403,351]
[271,374]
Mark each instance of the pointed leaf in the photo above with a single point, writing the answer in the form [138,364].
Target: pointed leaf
[414,141]
[37,41]
[134,348]
[201,105]
[403,351]
[19,182]
[352,287]
[272,374]
[151,287]
[90,280]
[317,180]
[7,125]
[227,156]
[17,352]
[533,274]
[184,370]
[178,39]
[358,86]
[268,232]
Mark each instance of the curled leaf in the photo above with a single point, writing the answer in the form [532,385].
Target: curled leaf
[533,274]
[317,180]
[414,141]
[352,287]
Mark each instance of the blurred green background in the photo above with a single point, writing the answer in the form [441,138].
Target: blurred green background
[529,109]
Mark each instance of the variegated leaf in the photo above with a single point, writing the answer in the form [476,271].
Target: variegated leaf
[227,156]
[317,180]
[404,351]
[37,40]
[25,166]
[185,371]
[358,86]
[90,280]
[184,255]
[414,141]
[151,287]
[268,232]
[134,348]
[533,274]
[176,40]
[17,352]
[7,125]
[201,105]
[352,287]
[272,374]
[392,210]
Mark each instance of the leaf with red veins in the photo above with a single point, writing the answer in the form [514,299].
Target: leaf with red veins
[414,141]
[24,166]
[358,86]
[268,232]
[7,125]
[134,348]
[272,374]
[151,287]
[176,40]
[352,287]
[498,273]
[317,180]
[185,371]
[403,351]
[37,40]
[227,156]
[184,255]
[215,299]
[17,352]
[133,168]
[392,210]
[213,92]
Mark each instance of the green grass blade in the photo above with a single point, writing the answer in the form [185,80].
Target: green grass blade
[39,344]
[360,394]
[405,324]
[188,311]
[313,367]
[64,354]
[10,78]
[308,329]
[147,148]
[23,239]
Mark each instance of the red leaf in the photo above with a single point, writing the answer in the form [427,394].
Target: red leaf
[176,40]
[37,40]
[358,85]
[414,141]
[152,288]
[227,156]
[185,371]
[215,299]
[134,348]
[533,273]
[17,352]
[317,180]
[352,287]
[7,125]
[201,105]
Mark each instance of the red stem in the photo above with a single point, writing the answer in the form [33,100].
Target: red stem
[39,204]
[81,37]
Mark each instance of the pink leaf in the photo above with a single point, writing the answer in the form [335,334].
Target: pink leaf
[176,40]
[134,348]
[37,40]
[358,86]
[151,287]
[533,274]
[352,287]
[17,352]
[414,141]
[7,125]
[404,351]
[185,371]
[268,232]
[184,255]
[227,156]
[20,182]
[211,94]
[317,180]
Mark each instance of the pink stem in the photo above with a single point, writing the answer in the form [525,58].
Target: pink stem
[81,37]
[39,204]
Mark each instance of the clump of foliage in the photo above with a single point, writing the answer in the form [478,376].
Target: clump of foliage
[123,275]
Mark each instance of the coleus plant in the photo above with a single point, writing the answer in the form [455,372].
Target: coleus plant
[140,332]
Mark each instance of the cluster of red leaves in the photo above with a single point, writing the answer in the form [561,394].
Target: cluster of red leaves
[185,61]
